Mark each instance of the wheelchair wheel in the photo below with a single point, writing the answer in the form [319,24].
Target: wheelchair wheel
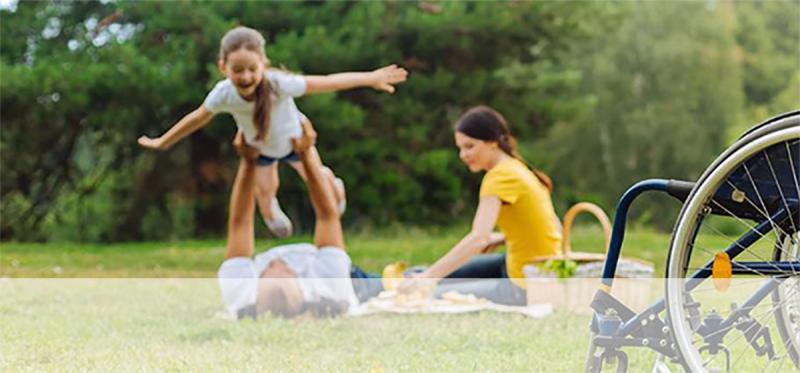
[786,301]
[746,205]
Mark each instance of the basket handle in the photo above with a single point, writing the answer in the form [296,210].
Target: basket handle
[569,217]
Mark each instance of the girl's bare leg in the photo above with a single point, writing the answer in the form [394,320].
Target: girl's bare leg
[267,183]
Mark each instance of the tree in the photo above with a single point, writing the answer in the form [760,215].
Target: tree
[666,83]
[91,77]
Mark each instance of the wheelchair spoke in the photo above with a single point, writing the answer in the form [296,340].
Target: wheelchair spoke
[789,290]
[765,317]
[740,206]
[780,191]
[738,284]
[786,343]
[793,168]
[771,312]
[750,228]
[770,315]
[751,252]
[731,241]
[763,212]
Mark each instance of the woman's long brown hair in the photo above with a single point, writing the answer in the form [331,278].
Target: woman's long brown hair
[485,123]
[247,38]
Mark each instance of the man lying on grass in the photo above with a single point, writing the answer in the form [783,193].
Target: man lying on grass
[292,279]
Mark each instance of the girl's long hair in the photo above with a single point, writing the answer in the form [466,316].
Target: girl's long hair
[486,124]
[247,38]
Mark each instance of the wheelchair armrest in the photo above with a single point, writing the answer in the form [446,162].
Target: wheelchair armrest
[679,189]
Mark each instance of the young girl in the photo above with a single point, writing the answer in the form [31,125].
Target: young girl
[261,102]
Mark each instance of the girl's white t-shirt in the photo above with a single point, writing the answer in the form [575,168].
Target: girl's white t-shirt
[285,118]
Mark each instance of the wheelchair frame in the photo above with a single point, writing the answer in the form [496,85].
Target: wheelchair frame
[615,326]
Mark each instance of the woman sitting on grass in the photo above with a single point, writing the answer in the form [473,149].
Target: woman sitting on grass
[513,197]
[292,279]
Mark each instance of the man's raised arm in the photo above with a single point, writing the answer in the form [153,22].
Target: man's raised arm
[328,228]
[241,232]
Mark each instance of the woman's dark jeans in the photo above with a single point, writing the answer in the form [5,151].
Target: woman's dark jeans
[366,285]
[484,276]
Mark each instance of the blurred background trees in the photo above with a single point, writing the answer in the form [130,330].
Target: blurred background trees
[599,94]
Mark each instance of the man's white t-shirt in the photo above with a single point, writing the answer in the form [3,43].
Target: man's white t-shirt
[284,115]
[322,273]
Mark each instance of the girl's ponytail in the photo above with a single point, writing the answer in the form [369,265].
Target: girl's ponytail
[261,114]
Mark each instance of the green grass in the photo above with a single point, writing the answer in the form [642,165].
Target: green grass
[370,250]
[151,320]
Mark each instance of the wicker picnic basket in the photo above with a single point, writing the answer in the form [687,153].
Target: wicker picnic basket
[574,294]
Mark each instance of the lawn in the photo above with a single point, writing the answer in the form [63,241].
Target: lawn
[370,250]
[151,306]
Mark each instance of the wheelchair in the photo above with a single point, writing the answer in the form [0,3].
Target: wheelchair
[732,287]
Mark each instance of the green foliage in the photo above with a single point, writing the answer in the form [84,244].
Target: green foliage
[666,87]
[600,95]
[561,268]
[767,36]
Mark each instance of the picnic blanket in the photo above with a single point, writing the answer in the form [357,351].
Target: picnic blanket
[452,302]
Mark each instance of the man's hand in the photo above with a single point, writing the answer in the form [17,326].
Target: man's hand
[245,151]
[307,140]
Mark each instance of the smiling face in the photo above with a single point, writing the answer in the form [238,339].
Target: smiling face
[476,154]
[245,68]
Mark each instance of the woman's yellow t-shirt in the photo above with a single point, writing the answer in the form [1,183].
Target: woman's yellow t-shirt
[527,218]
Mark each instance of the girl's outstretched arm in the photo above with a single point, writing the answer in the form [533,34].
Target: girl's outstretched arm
[186,126]
[381,79]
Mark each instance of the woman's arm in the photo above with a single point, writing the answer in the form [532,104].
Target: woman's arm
[496,239]
[473,243]
[186,126]
[380,79]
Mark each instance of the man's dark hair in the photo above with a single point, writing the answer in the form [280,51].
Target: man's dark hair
[278,306]
[326,307]
[247,311]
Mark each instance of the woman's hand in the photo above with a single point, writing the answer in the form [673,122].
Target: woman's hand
[408,285]
[418,282]
[150,143]
[245,151]
[385,77]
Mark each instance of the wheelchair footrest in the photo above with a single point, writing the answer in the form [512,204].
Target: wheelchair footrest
[604,301]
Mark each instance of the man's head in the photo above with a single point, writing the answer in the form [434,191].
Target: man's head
[278,291]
